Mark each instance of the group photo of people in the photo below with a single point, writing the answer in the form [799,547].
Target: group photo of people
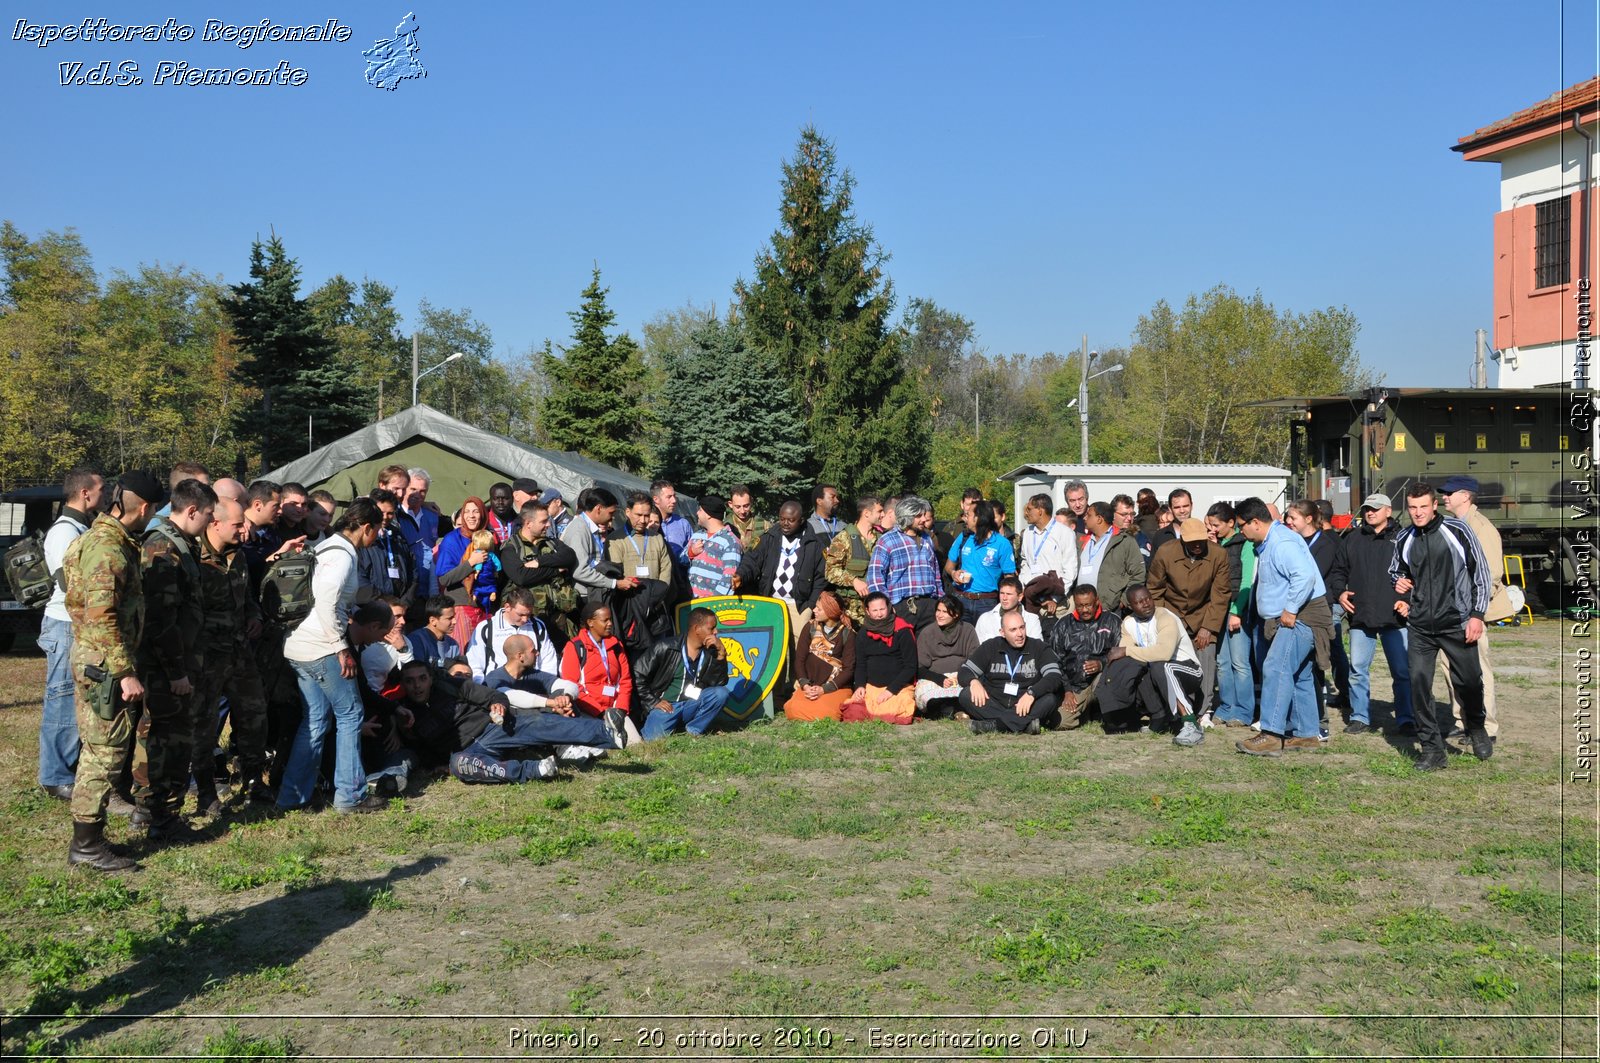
[213,645]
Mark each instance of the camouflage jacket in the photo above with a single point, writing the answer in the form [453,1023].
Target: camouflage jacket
[844,562]
[172,594]
[105,597]
[225,597]
[749,531]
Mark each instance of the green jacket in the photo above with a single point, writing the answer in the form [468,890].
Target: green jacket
[105,598]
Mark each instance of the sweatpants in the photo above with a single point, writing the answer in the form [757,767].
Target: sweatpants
[1466,685]
[1003,710]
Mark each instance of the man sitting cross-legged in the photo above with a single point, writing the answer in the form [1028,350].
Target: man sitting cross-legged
[484,739]
[1013,682]
[1154,671]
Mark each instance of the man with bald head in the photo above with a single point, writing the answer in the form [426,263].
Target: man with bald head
[232,623]
[230,489]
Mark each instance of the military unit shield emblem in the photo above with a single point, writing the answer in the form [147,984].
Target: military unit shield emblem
[755,633]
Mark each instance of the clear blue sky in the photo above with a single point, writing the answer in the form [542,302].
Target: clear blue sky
[1047,170]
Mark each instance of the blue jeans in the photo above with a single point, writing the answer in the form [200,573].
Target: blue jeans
[1363,647]
[694,716]
[1236,682]
[499,754]
[327,696]
[58,725]
[1288,691]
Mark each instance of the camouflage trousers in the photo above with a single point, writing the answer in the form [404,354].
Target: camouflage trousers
[105,726]
[162,747]
[231,674]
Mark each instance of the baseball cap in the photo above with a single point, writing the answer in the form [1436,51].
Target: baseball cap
[1459,483]
[1376,499]
[526,484]
[550,495]
[143,484]
[1192,530]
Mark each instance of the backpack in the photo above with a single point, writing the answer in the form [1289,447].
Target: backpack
[286,588]
[559,595]
[28,573]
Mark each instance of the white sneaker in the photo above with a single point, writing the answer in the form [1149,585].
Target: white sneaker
[548,768]
[631,731]
[579,752]
[1190,736]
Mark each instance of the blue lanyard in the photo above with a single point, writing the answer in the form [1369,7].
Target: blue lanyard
[688,665]
[1011,668]
[636,545]
[1097,546]
[605,658]
[1043,539]
[831,523]
[1313,540]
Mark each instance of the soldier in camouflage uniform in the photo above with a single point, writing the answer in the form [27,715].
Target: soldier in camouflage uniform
[742,515]
[105,598]
[846,558]
[232,619]
[170,659]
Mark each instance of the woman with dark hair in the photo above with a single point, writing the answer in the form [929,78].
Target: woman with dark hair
[1147,512]
[886,666]
[978,558]
[825,665]
[458,560]
[942,648]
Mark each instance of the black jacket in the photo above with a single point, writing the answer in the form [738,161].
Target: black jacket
[372,570]
[890,664]
[1449,573]
[1362,568]
[1075,642]
[658,670]
[457,712]
[759,568]
[1326,551]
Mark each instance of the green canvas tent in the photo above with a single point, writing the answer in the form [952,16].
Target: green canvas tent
[461,460]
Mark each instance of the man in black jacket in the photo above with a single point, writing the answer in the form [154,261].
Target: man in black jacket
[1360,582]
[1081,640]
[532,559]
[386,568]
[1440,567]
[1013,682]
[484,741]
[786,564]
[685,683]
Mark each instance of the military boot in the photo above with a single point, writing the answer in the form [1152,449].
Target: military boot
[90,849]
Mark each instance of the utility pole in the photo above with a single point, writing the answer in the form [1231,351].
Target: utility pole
[1083,408]
[414,349]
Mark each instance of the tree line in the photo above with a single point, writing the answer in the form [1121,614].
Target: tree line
[808,375]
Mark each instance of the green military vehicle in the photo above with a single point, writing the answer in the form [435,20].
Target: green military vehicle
[23,511]
[1531,451]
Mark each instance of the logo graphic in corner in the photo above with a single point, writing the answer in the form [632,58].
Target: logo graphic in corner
[755,634]
[391,62]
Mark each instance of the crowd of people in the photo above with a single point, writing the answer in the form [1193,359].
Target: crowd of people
[514,636]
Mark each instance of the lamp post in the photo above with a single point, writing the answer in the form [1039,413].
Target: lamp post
[416,378]
[1082,401]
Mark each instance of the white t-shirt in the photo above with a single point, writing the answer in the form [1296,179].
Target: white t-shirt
[988,625]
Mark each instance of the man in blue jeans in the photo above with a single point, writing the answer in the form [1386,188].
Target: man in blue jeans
[58,724]
[1290,599]
[495,744]
[684,684]
[1361,582]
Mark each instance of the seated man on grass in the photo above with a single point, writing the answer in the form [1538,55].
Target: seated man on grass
[684,683]
[1013,682]
[1154,671]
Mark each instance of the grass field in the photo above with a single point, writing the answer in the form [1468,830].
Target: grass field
[789,881]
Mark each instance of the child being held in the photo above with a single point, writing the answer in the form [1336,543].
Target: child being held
[484,582]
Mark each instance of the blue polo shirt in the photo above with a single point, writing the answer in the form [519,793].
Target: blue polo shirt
[987,561]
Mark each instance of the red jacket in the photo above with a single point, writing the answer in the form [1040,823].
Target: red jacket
[597,672]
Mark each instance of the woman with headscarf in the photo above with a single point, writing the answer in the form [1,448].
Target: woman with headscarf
[457,562]
[886,667]
[825,665]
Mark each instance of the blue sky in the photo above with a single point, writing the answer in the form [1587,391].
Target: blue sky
[1047,170]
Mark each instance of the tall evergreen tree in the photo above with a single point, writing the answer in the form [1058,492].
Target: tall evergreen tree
[730,417]
[592,405]
[289,359]
[820,303]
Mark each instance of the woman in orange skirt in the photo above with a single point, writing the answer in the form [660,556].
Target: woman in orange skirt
[826,664]
[886,667]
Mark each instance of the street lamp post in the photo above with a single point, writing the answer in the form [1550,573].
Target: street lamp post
[1083,398]
[416,377]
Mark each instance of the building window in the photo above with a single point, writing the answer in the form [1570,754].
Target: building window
[1552,236]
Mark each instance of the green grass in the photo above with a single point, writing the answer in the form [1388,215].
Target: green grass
[825,868]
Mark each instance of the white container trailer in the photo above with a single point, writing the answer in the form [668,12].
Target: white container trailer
[1207,483]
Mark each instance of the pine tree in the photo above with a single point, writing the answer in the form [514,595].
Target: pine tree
[592,405]
[289,359]
[820,303]
[730,417]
